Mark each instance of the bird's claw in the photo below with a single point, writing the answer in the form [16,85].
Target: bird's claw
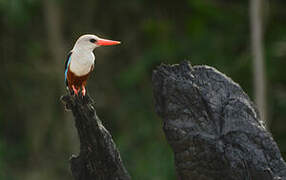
[83,91]
[75,90]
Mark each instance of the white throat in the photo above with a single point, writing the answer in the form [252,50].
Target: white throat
[81,61]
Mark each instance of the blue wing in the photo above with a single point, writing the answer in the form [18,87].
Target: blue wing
[67,63]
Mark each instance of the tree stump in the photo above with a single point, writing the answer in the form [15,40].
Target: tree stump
[99,158]
[213,127]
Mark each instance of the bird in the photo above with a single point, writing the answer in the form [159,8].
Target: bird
[80,62]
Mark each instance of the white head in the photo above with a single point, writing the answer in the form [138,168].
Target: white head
[89,42]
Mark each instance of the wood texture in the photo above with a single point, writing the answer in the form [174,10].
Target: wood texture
[99,158]
[213,127]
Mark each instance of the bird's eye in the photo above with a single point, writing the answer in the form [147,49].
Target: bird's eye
[92,40]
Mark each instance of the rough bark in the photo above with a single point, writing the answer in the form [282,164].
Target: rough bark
[213,127]
[99,158]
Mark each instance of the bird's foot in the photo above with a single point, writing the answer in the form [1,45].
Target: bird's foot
[75,90]
[83,90]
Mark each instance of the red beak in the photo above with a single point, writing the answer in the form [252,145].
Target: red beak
[106,42]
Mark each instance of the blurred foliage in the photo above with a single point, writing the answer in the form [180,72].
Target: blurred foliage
[37,137]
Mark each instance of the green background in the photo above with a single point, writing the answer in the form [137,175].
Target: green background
[37,136]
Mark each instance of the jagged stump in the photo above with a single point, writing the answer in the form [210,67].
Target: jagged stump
[99,158]
[210,123]
[213,127]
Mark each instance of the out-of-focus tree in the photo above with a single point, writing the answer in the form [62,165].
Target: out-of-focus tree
[259,81]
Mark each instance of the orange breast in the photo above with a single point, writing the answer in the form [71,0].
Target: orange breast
[77,81]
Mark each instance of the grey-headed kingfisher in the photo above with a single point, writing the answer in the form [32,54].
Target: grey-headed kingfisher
[80,61]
